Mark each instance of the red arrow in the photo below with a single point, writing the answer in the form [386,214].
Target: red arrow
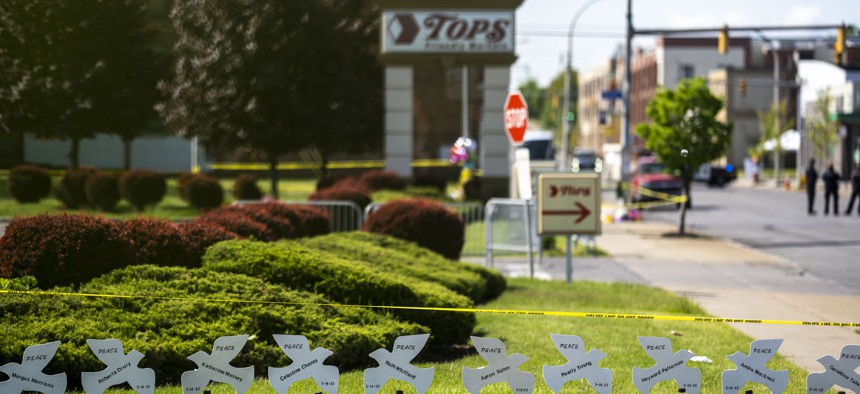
[553,190]
[583,212]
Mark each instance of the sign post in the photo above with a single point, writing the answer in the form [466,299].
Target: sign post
[569,204]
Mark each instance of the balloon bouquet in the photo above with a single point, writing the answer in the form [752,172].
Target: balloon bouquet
[464,153]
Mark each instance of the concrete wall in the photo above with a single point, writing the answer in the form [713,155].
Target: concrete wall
[703,59]
[159,153]
[495,150]
[398,119]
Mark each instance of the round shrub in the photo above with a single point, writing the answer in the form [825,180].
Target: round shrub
[29,184]
[328,180]
[383,180]
[72,190]
[307,221]
[427,223]
[182,184]
[238,223]
[245,187]
[142,188]
[62,249]
[199,235]
[102,191]
[279,227]
[340,192]
[154,241]
[204,192]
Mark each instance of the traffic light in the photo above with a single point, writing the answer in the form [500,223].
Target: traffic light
[742,87]
[723,40]
[571,117]
[839,46]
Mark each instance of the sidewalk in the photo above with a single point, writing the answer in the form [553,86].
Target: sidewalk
[726,279]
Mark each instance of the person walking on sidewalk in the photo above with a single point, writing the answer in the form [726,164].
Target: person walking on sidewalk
[855,190]
[811,178]
[831,189]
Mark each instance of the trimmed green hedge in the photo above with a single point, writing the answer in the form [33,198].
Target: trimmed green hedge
[346,281]
[389,254]
[173,321]
[407,251]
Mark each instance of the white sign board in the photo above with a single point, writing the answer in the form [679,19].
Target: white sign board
[524,179]
[306,364]
[216,367]
[841,371]
[580,365]
[669,366]
[569,203]
[396,365]
[28,375]
[417,31]
[752,368]
[502,368]
[121,368]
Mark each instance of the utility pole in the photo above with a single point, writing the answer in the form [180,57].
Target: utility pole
[625,120]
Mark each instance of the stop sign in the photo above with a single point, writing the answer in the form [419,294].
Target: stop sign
[516,117]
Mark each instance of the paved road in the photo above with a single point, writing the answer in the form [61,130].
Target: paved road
[775,221]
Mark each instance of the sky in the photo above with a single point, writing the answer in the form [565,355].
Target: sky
[542,26]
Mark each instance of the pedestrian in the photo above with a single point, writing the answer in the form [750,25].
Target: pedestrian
[855,190]
[811,178]
[831,189]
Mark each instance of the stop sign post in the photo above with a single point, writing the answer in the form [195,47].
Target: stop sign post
[516,117]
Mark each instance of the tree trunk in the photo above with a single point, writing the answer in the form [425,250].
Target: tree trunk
[776,165]
[273,173]
[74,153]
[682,222]
[126,154]
[323,163]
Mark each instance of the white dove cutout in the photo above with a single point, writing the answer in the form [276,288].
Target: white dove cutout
[669,366]
[306,364]
[28,375]
[842,372]
[752,367]
[502,368]
[396,365]
[216,367]
[580,365]
[121,368]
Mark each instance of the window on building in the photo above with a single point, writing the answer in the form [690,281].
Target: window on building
[686,71]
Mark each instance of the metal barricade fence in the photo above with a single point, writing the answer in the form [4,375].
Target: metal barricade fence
[510,225]
[472,215]
[343,215]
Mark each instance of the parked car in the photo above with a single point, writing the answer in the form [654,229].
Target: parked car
[651,174]
[539,144]
[715,175]
[586,160]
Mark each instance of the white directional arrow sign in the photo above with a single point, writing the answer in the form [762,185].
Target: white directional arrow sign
[752,368]
[216,367]
[502,368]
[580,365]
[396,365]
[669,366]
[569,204]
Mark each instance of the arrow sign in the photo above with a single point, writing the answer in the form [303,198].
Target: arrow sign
[569,203]
[580,213]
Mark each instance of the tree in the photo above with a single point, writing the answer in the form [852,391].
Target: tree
[773,123]
[822,129]
[76,68]
[535,97]
[273,76]
[684,133]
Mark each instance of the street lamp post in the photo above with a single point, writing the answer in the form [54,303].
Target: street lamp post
[565,134]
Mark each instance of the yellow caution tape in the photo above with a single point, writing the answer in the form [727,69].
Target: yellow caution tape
[624,316]
[662,196]
[346,164]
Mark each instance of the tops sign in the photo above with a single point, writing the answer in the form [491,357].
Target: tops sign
[461,31]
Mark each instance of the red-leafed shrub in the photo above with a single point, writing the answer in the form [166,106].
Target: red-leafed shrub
[28,183]
[204,192]
[238,223]
[327,181]
[102,191]
[199,235]
[72,190]
[142,188]
[279,227]
[62,249]
[154,241]
[307,221]
[342,191]
[425,222]
[245,187]
[383,180]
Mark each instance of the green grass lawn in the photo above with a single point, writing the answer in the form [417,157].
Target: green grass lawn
[529,335]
